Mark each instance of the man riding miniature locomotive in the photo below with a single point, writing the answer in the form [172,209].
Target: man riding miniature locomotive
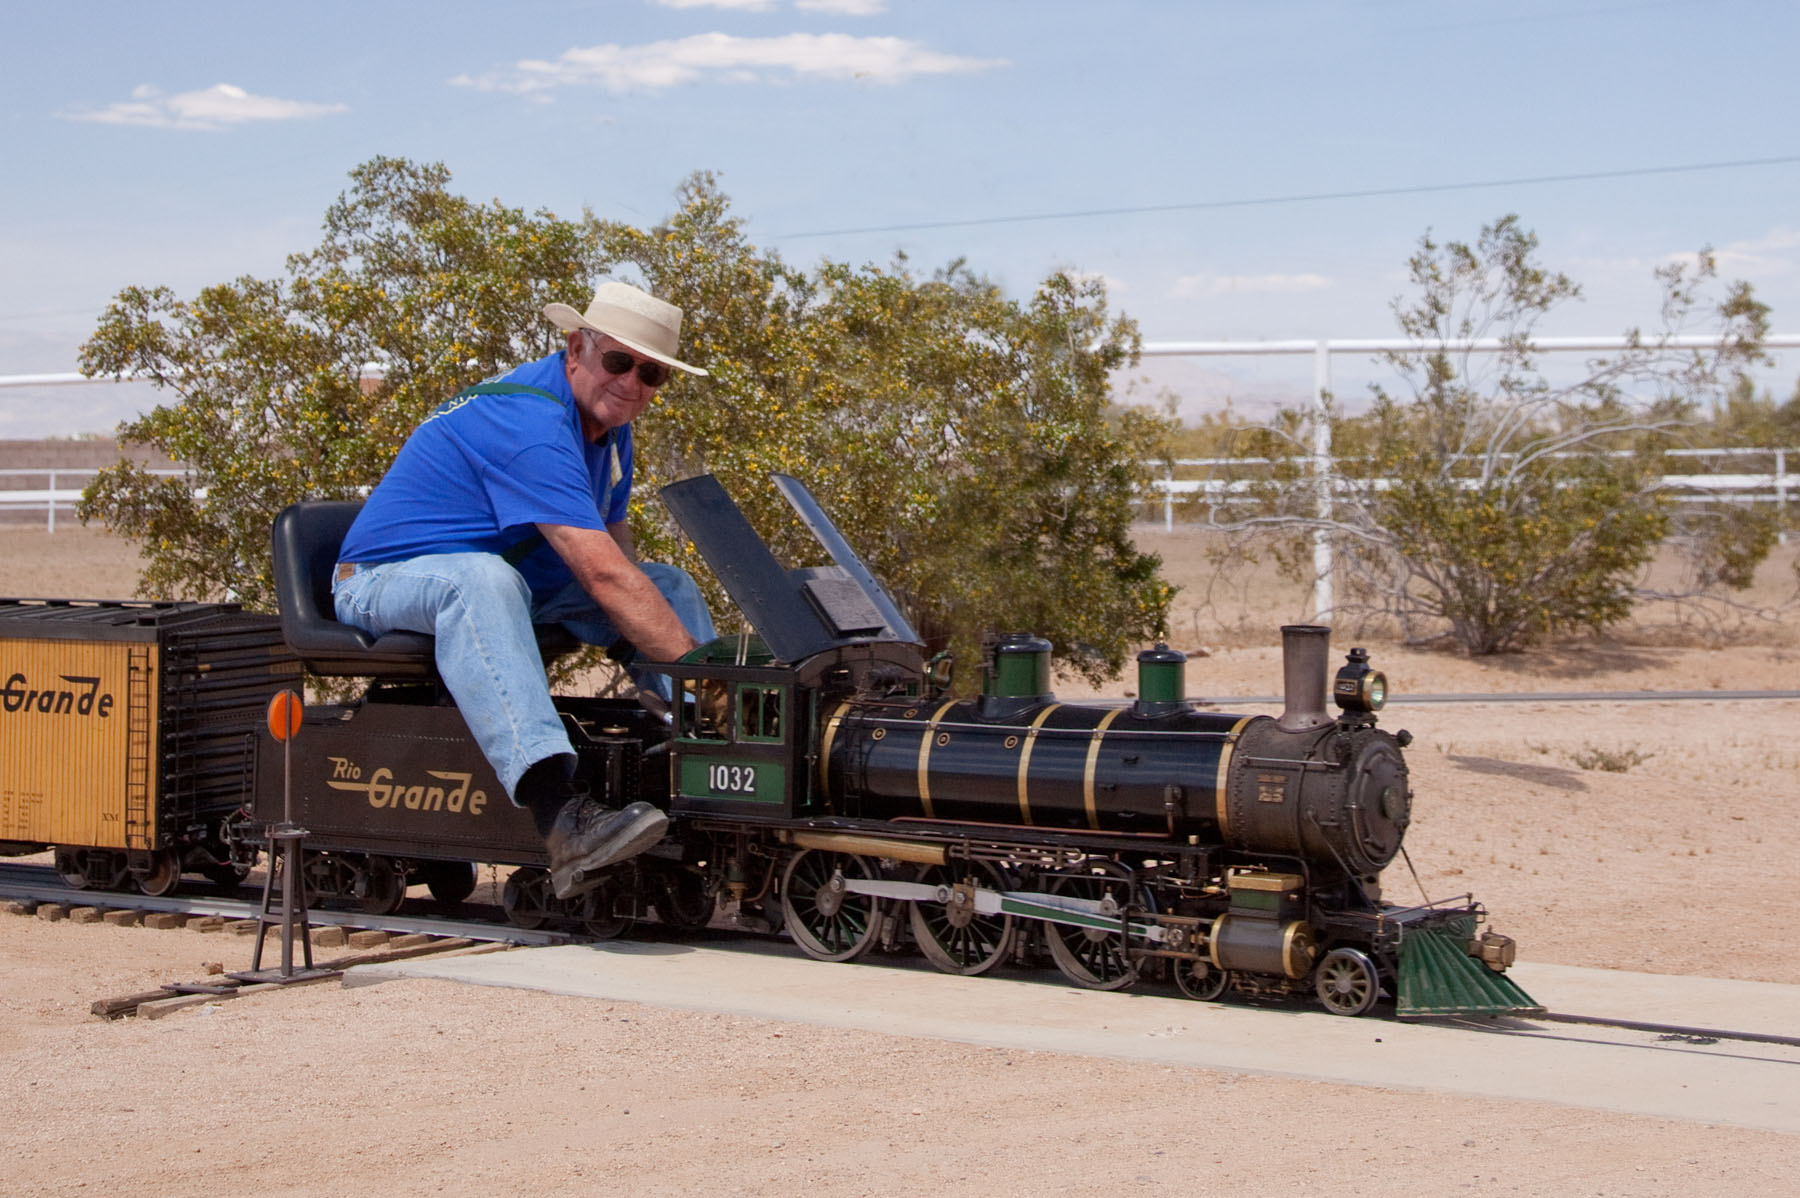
[506,508]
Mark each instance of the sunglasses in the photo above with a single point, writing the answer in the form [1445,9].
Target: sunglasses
[651,374]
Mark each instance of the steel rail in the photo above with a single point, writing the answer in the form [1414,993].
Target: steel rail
[1523,697]
[1667,1029]
[17,883]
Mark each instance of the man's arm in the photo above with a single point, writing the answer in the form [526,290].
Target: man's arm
[621,532]
[627,595]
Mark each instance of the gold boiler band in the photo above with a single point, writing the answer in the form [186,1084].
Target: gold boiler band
[1093,761]
[1025,761]
[925,742]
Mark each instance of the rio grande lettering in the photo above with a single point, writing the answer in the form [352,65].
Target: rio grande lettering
[382,793]
[84,700]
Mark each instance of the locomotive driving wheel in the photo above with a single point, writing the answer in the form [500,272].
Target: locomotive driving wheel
[951,934]
[1093,958]
[1346,982]
[826,919]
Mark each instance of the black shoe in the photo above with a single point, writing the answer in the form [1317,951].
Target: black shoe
[588,837]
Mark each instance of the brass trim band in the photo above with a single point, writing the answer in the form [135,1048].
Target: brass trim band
[831,731]
[1025,761]
[1093,762]
[1296,949]
[869,846]
[1221,787]
[925,757]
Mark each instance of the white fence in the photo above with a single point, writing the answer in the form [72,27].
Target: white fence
[1321,352]
[53,497]
[1778,486]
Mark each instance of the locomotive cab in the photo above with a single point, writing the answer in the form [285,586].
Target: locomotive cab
[741,758]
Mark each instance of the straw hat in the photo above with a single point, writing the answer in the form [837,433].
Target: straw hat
[631,317]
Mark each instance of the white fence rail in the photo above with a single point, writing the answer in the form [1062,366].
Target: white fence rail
[52,497]
[1778,486]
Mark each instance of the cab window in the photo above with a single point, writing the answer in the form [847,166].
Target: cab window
[759,713]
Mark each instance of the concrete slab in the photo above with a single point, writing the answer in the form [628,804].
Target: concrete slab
[1749,1085]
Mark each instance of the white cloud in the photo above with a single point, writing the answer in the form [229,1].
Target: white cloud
[218,107]
[848,8]
[740,5]
[1770,254]
[656,65]
[1189,286]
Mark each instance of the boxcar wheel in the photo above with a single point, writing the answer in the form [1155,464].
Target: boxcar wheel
[71,868]
[1346,982]
[227,877]
[382,887]
[526,897]
[164,874]
[449,881]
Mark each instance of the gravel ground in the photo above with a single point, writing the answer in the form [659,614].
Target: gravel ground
[1678,859]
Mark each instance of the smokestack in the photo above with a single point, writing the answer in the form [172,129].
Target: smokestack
[1304,665]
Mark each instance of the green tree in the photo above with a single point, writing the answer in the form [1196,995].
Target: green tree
[273,401]
[1484,500]
[966,442]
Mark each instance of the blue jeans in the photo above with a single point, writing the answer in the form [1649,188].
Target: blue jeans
[481,612]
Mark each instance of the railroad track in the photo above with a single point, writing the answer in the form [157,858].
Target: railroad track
[36,883]
[40,883]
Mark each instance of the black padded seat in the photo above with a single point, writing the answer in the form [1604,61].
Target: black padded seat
[306,538]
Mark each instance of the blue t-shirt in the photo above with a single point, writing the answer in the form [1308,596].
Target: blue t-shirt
[482,471]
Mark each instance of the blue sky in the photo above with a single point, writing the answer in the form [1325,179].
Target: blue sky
[188,143]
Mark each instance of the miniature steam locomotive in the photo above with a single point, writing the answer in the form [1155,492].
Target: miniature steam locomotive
[848,798]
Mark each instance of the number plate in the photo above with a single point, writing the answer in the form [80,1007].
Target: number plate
[706,777]
[724,779]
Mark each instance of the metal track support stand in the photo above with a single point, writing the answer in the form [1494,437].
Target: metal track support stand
[285,859]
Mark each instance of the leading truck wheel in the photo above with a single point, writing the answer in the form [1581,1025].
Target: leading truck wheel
[828,921]
[1346,982]
[1201,981]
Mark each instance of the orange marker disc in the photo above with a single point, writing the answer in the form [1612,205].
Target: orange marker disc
[284,715]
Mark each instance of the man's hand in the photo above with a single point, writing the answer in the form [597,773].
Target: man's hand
[713,698]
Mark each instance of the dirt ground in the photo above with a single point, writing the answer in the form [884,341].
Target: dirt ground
[1652,836]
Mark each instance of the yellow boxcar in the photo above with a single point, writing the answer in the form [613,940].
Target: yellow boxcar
[127,733]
